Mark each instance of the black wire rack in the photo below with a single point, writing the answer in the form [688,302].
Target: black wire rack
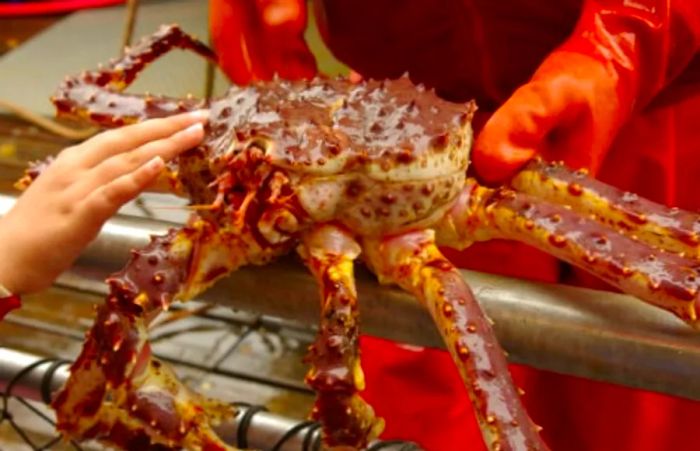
[6,415]
[278,334]
[241,324]
[309,430]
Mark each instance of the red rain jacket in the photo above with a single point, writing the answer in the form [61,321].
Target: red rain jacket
[639,133]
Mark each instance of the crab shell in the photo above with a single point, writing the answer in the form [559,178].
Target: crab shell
[376,156]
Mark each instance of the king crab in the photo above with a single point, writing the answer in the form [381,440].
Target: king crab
[337,171]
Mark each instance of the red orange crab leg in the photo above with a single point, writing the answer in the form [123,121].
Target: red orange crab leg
[666,228]
[335,373]
[118,392]
[661,278]
[413,261]
[95,95]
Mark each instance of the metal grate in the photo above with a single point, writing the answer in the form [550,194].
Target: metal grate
[6,414]
[253,427]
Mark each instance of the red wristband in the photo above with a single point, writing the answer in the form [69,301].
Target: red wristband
[8,301]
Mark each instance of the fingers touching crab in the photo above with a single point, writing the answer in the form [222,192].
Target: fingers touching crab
[339,171]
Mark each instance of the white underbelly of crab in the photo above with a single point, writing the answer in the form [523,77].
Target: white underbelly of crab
[387,196]
[370,207]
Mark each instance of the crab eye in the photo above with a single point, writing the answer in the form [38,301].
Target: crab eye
[264,144]
[233,149]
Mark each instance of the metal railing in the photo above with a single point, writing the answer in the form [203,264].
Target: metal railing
[594,334]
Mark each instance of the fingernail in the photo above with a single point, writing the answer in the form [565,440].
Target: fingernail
[195,129]
[155,164]
[200,115]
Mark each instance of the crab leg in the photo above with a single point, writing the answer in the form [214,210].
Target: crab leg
[96,95]
[414,262]
[661,278]
[335,373]
[118,392]
[666,228]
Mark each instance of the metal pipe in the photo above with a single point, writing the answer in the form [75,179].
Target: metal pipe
[35,378]
[593,334]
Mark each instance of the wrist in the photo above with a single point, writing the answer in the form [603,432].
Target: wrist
[9,263]
[627,41]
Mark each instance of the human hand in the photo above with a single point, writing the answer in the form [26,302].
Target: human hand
[65,207]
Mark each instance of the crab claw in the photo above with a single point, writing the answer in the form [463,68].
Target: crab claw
[335,373]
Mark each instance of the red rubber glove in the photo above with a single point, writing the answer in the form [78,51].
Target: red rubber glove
[256,39]
[620,55]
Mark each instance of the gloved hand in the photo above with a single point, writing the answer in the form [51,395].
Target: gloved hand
[620,55]
[256,39]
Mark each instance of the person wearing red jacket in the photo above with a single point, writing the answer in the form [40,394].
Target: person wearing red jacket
[610,85]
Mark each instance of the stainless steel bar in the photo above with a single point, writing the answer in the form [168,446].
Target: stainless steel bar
[263,432]
[593,334]
[29,386]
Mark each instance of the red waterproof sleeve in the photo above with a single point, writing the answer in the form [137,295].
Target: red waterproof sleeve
[620,55]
